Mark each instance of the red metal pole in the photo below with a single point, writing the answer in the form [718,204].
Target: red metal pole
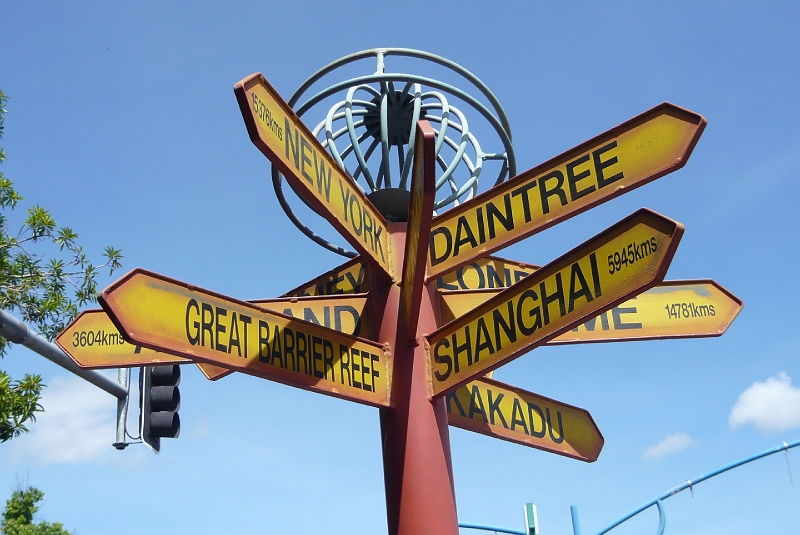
[418,473]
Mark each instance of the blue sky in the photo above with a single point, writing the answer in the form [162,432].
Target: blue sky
[123,123]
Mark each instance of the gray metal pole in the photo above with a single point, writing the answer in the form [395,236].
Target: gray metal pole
[16,331]
[122,410]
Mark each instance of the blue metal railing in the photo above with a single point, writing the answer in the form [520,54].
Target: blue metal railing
[688,485]
[657,501]
[491,528]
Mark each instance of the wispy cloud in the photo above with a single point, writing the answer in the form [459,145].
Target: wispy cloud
[671,444]
[772,406]
[77,425]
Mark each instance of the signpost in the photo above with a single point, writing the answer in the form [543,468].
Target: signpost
[502,411]
[283,138]
[423,365]
[675,309]
[623,260]
[183,320]
[634,153]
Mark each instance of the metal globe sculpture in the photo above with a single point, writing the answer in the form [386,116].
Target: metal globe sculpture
[370,129]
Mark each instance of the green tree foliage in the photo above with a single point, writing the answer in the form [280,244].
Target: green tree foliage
[18,515]
[45,292]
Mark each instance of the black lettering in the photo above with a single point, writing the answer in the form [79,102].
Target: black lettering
[481,229]
[557,190]
[206,325]
[532,407]
[452,397]
[356,368]
[466,347]
[373,358]
[560,438]
[323,182]
[233,339]
[478,272]
[464,235]
[338,310]
[494,408]
[193,339]
[508,326]
[448,240]
[518,417]
[356,283]
[482,340]
[277,349]
[316,356]
[573,179]
[221,312]
[301,352]
[304,158]
[600,165]
[494,278]
[576,276]
[447,360]
[492,214]
[535,312]
[246,322]
[595,275]
[476,408]
[264,352]
[344,365]
[365,372]
[522,191]
[288,347]
[327,359]
[558,295]
[295,147]
[616,312]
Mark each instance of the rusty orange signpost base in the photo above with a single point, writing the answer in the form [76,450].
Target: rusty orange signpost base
[426,313]
[418,473]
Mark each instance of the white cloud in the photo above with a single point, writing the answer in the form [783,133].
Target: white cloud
[672,444]
[78,424]
[772,406]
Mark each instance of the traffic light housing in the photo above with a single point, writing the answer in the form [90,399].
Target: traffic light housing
[160,401]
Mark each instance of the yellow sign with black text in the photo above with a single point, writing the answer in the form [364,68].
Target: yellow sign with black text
[94,342]
[288,143]
[638,151]
[502,411]
[349,278]
[674,309]
[622,261]
[178,318]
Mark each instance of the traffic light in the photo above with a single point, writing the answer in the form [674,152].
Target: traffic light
[160,401]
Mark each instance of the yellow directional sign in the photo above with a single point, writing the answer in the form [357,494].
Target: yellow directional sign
[93,342]
[638,151]
[181,319]
[674,309]
[485,272]
[502,411]
[349,278]
[342,313]
[353,278]
[622,261]
[288,143]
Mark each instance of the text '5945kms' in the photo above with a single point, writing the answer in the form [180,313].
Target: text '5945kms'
[559,296]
